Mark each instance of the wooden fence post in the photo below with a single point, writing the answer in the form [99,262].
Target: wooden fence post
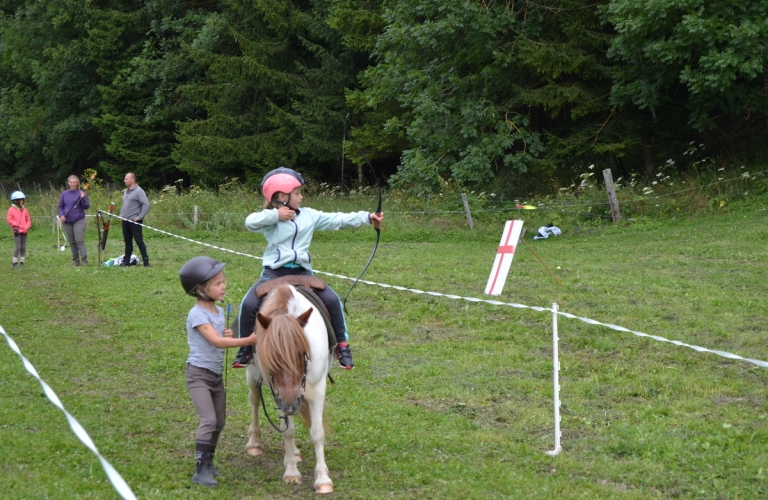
[615,211]
[466,209]
[196,216]
[53,220]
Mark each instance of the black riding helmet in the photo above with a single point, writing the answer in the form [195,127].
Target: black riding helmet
[197,271]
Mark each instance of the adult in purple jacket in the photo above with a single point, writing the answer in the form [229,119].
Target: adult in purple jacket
[72,206]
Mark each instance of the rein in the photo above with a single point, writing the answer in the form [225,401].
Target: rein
[276,396]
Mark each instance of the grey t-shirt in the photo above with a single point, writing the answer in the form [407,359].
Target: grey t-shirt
[201,352]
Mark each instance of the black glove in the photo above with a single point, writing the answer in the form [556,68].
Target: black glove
[15,232]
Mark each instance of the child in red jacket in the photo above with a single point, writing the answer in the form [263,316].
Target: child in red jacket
[18,219]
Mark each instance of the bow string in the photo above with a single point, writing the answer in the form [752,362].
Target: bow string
[376,224]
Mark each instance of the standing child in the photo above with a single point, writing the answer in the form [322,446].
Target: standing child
[288,231]
[202,277]
[19,220]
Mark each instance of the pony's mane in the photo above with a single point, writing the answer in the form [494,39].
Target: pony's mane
[283,345]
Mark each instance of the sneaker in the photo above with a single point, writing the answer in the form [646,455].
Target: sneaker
[15,264]
[344,355]
[21,264]
[243,358]
[84,262]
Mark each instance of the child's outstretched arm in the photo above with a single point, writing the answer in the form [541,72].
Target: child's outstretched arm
[209,333]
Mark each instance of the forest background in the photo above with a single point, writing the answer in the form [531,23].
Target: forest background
[516,97]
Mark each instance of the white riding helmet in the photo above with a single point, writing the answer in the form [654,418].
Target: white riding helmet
[17,195]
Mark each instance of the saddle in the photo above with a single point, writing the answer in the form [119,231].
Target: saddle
[305,285]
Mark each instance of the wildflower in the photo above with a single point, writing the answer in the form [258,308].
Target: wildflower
[720,169]
[88,186]
[741,166]
[701,145]
[659,174]
[745,174]
[692,143]
[591,166]
[654,183]
[493,195]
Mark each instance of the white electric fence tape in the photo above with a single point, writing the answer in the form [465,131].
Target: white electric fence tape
[762,364]
[114,477]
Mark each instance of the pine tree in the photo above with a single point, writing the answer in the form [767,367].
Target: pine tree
[142,102]
[273,94]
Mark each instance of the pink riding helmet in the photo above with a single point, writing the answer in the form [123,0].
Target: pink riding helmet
[280,179]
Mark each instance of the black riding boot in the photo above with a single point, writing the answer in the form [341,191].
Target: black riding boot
[203,465]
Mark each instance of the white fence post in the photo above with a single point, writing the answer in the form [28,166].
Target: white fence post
[555,376]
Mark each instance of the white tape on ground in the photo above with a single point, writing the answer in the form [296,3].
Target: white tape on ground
[762,364]
[114,477]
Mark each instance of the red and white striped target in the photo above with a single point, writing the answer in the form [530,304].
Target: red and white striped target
[509,239]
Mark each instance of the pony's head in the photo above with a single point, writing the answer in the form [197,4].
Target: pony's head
[283,353]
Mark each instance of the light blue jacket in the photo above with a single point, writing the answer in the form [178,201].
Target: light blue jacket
[288,241]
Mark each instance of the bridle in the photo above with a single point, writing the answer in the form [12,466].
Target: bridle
[276,395]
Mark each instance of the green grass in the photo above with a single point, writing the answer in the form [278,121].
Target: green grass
[449,399]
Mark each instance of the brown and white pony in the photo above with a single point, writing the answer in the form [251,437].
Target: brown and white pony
[293,359]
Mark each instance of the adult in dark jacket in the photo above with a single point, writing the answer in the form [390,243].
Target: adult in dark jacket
[135,208]
[72,206]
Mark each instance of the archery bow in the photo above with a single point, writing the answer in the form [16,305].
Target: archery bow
[376,224]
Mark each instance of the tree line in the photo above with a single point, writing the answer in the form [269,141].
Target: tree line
[505,94]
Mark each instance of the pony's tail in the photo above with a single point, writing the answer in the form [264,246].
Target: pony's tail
[306,418]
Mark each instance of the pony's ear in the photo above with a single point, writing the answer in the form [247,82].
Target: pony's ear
[304,317]
[263,320]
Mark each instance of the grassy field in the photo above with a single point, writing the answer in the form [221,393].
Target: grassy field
[449,399]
